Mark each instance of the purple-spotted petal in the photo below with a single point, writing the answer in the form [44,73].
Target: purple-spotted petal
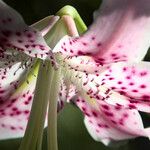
[130,80]
[15,101]
[120,32]
[62,95]
[82,63]
[106,123]
[16,35]
[94,86]
[67,92]
[9,80]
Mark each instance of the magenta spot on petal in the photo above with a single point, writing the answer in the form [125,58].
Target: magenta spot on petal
[146,97]
[105,126]
[105,107]
[2,91]
[94,114]
[113,121]
[123,88]
[80,53]
[29,98]
[71,51]
[84,43]
[119,82]
[99,44]
[12,128]
[124,69]
[125,115]
[87,114]
[26,102]
[18,112]
[109,114]
[101,59]
[3,125]
[128,77]
[99,125]
[113,55]
[93,37]
[13,100]
[14,109]
[131,106]
[113,88]
[131,83]
[121,122]
[111,78]
[26,112]
[83,109]
[135,91]
[142,86]
[122,92]
[143,73]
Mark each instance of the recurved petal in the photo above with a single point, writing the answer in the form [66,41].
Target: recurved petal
[95,86]
[15,35]
[130,80]
[120,32]
[16,95]
[107,123]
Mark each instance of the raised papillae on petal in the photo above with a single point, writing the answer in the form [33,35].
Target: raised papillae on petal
[120,33]
[16,35]
[120,84]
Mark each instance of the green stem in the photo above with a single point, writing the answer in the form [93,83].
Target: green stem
[52,113]
[71,11]
[38,111]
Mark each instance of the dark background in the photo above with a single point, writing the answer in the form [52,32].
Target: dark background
[72,134]
[33,10]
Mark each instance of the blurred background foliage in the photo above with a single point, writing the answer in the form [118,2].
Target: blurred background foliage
[72,134]
[33,10]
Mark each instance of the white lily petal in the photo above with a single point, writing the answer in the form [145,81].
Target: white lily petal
[15,34]
[16,99]
[106,123]
[120,33]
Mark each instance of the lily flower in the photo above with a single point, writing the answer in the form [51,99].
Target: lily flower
[111,80]
[18,45]
[101,71]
